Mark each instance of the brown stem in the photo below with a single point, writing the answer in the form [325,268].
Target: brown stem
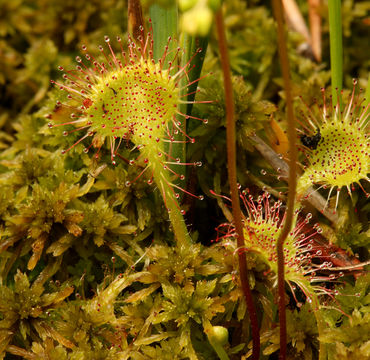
[315,27]
[292,181]
[135,18]
[231,161]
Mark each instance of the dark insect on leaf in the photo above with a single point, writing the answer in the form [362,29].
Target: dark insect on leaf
[311,141]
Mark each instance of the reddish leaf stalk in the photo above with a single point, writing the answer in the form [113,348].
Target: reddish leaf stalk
[231,161]
[292,181]
[135,18]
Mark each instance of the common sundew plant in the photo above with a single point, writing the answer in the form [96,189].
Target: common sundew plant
[118,117]
[262,223]
[133,98]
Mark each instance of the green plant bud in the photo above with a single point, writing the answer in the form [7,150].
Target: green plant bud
[185,5]
[218,335]
[197,21]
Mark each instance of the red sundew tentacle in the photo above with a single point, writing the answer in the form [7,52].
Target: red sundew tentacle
[304,289]
[314,123]
[76,143]
[67,88]
[366,193]
[349,192]
[349,105]
[95,63]
[180,163]
[314,190]
[184,74]
[164,55]
[306,128]
[196,102]
[96,155]
[199,197]
[192,82]
[292,290]
[365,115]
[112,152]
[144,44]
[174,141]
[189,116]
[223,197]
[138,176]
[131,47]
[170,63]
[324,111]
[123,53]
[304,241]
[266,207]
[86,149]
[65,133]
[187,65]
[190,93]
[183,132]
[67,123]
[358,104]
[165,167]
[89,72]
[337,199]
[75,77]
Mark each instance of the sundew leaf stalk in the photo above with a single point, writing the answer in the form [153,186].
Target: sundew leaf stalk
[132,98]
[292,181]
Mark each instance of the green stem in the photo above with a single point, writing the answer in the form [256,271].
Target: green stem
[292,180]
[231,162]
[220,351]
[336,51]
[162,180]
[320,325]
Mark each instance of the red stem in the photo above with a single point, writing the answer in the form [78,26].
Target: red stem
[231,161]
[292,181]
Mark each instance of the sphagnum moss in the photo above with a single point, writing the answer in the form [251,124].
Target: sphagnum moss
[132,98]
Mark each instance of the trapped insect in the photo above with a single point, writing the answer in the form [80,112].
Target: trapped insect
[311,141]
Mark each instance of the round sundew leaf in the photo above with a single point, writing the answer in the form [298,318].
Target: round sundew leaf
[135,102]
[338,150]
